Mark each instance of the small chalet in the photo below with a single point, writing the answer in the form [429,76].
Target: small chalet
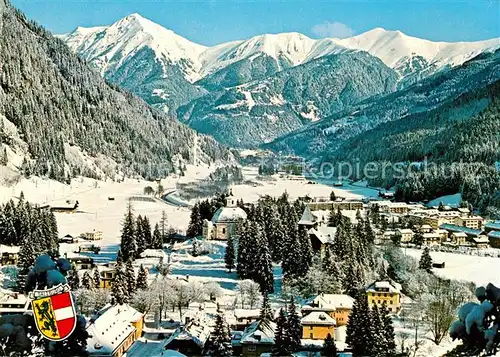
[81,262]
[406,234]
[321,236]
[68,206]
[107,275]
[337,306]
[458,238]
[9,254]
[114,330]
[68,238]
[245,317]
[432,238]
[481,241]
[258,338]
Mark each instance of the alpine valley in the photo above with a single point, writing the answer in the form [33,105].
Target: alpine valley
[251,92]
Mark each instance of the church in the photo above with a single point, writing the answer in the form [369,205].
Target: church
[223,223]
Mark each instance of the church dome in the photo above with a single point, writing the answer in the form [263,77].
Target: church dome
[228,215]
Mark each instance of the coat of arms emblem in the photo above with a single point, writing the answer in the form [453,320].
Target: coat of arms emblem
[54,312]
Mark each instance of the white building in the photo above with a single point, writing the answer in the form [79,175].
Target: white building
[223,223]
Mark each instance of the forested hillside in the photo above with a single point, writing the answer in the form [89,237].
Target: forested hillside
[461,139]
[75,123]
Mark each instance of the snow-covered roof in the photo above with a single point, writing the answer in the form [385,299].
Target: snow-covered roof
[330,302]
[154,253]
[246,313]
[259,332]
[459,234]
[389,286]
[228,214]
[198,330]
[431,235]
[481,239]
[493,225]
[325,234]
[13,303]
[11,249]
[307,217]
[426,226]
[318,318]
[110,329]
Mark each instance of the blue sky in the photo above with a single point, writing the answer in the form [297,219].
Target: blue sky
[213,21]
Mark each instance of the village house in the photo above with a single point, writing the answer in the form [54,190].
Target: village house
[321,237]
[13,304]
[93,235]
[68,206]
[406,234]
[346,205]
[9,254]
[432,238]
[107,275]
[308,220]
[472,222]
[425,228]
[258,338]
[435,219]
[337,306]
[114,330]
[80,262]
[385,292]
[458,238]
[244,317]
[317,325]
[481,241]
[468,231]
[190,339]
[68,238]
[224,221]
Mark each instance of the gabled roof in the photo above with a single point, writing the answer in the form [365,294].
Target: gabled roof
[12,249]
[110,329]
[307,217]
[198,331]
[392,286]
[329,302]
[318,318]
[259,333]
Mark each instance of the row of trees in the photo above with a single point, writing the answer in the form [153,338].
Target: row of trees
[136,235]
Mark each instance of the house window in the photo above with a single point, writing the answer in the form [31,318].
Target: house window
[310,327]
[223,230]
[311,336]
[252,348]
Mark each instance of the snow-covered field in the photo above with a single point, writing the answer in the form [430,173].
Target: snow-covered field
[480,270]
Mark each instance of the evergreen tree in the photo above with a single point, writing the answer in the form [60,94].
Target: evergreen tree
[388,332]
[87,281]
[195,227]
[142,278]
[376,333]
[329,347]
[291,251]
[195,251]
[333,197]
[358,327]
[229,254]
[26,260]
[130,278]
[418,239]
[266,313]
[220,341]
[140,237]
[293,327]
[73,279]
[262,269]
[425,262]
[305,258]
[128,246]
[119,286]
[334,217]
[146,231]
[369,235]
[97,278]
[281,341]
[157,240]
[276,236]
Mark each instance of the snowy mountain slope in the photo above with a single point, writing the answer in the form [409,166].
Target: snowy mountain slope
[172,73]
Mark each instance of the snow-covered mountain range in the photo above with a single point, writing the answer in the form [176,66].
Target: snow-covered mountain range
[250,82]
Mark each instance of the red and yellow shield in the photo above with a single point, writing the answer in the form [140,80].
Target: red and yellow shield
[54,313]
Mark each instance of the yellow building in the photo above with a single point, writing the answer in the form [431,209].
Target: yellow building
[385,292]
[337,306]
[107,277]
[317,325]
